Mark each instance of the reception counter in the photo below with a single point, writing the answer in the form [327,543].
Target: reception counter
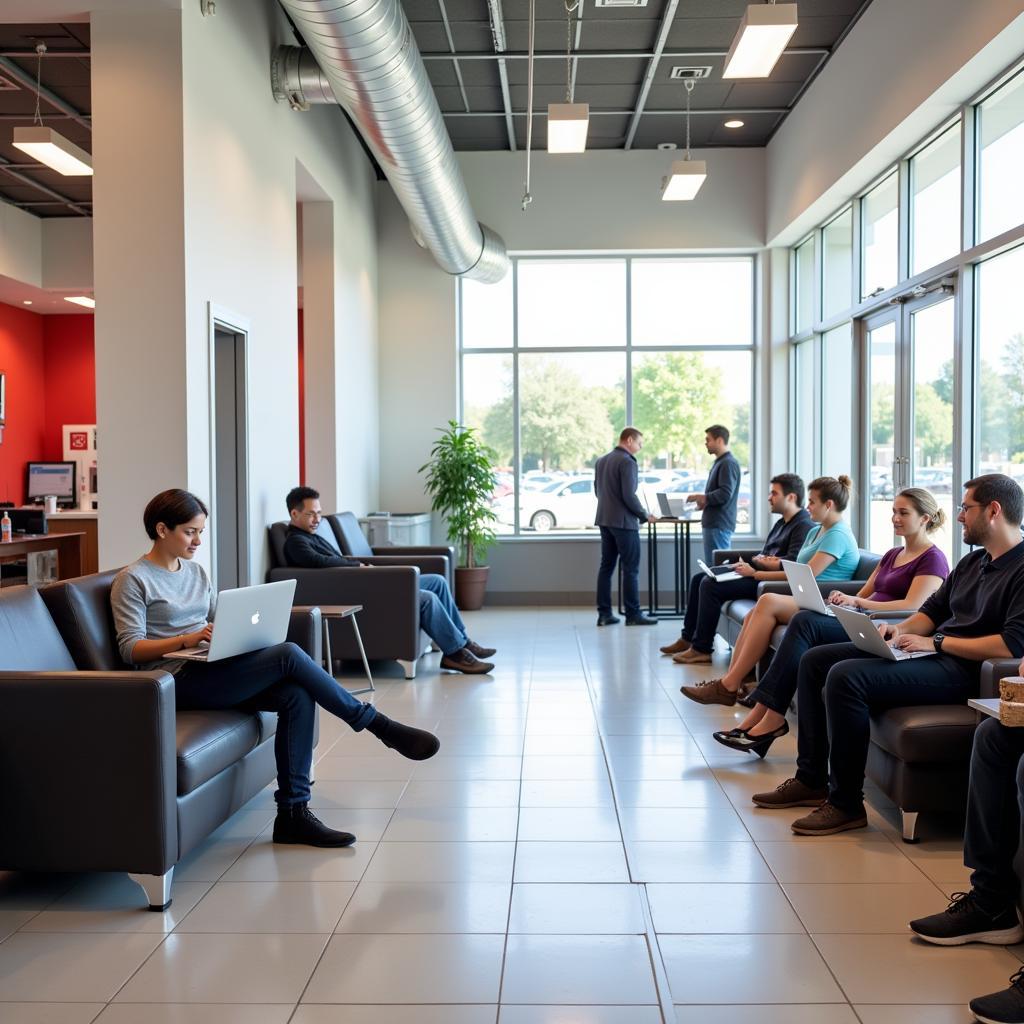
[85,523]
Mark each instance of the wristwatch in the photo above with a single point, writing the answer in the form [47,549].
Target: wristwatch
[938,639]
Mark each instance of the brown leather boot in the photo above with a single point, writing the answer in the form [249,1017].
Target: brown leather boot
[677,648]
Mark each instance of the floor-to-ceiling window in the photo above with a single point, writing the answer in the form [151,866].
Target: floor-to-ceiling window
[565,352]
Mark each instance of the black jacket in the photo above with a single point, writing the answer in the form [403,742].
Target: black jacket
[615,480]
[304,550]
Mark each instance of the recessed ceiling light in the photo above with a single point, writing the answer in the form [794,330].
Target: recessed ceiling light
[667,146]
[734,123]
[81,300]
[26,302]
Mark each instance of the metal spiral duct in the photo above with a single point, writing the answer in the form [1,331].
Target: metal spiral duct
[367,56]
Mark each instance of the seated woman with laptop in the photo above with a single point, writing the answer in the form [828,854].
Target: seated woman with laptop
[829,550]
[904,578]
[163,607]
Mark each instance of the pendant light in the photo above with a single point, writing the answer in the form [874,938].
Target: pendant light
[764,31]
[568,121]
[687,176]
[46,145]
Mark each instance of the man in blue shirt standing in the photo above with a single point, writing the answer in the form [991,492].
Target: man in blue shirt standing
[619,515]
[721,493]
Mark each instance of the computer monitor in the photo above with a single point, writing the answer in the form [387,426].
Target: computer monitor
[56,478]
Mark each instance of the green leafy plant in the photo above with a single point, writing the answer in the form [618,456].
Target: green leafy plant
[460,482]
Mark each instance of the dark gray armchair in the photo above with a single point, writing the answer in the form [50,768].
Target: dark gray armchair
[429,558]
[389,593]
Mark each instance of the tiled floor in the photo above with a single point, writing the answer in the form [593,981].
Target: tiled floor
[580,852]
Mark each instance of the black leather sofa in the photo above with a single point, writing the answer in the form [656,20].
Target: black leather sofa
[98,772]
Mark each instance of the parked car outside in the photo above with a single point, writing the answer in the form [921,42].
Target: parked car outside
[562,504]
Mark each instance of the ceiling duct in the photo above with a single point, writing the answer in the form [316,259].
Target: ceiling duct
[367,57]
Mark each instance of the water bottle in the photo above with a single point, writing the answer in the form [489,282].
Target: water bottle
[5,528]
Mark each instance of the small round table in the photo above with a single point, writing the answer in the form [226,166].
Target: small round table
[342,611]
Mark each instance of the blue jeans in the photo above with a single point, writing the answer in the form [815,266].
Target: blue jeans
[775,689]
[439,618]
[992,835]
[704,605]
[618,543]
[839,688]
[285,679]
[715,539]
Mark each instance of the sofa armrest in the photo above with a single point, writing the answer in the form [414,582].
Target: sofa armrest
[720,557]
[892,614]
[111,736]
[417,549]
[436,564]
[992,671]
[305,628]
[782,587]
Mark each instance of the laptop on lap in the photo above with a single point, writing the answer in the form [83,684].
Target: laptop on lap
[246,619]
[865,636]
[804,587]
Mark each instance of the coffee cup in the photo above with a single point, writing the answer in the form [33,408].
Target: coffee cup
[50,504]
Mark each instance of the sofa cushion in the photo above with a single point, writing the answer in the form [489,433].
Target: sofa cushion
[926,734]
[350,536]
[209,741]
[81,609]
[29,641]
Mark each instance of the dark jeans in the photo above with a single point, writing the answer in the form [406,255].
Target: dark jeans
[617,543]
[704,605]
[838,688]
[775,689]
[992,835]
[284,679]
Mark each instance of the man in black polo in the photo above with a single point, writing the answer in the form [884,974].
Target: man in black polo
[706,596]
[978,613]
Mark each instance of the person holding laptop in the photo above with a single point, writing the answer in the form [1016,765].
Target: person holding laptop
[830,549]
[978,613]
[707,595]
[163,603]
[904,578]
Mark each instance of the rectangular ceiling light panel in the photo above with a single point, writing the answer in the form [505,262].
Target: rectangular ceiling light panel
[567,127]
[763,34]
[51,148]
[685,180]
[81,300]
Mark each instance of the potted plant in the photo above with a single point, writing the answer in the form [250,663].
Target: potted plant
[460,482]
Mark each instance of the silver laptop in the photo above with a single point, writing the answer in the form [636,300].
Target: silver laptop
[718,577]
[804,587]
[865,636]
[672,508]
[247,619]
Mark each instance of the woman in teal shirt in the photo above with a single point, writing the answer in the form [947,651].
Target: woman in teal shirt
[830,549]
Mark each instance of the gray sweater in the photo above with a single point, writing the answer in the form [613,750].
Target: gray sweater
[151,603]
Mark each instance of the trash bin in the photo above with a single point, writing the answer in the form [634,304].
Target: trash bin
[406,529]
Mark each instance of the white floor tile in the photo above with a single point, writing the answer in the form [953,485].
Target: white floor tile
[428,907]
[570,862]
[576,909]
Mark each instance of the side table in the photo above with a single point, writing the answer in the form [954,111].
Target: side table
[342,611]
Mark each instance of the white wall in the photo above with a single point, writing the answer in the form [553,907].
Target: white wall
[904,68]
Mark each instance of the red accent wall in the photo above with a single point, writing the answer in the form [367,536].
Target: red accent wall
[70,370]
[21,362]
[302,405]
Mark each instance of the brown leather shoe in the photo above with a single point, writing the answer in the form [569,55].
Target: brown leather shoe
[463,660]
[677,648]
[828,819]
[711,691]
[692,657]
[480,652]
[791,793]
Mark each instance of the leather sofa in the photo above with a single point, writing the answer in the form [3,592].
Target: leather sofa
[389,593]
[99,772]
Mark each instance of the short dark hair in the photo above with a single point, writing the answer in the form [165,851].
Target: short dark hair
[172,508]
[630,434]
[717,430]
[297,496]
[791,484]
[999,487]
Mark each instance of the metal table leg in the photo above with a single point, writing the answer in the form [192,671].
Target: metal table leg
[362,654]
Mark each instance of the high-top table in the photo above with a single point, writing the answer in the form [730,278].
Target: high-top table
[67,545]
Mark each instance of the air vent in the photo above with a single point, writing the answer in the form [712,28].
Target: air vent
[620,3]
[691,73]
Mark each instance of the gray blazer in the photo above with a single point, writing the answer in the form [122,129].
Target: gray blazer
[615,480]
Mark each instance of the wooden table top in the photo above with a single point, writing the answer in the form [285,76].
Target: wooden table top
[331,611]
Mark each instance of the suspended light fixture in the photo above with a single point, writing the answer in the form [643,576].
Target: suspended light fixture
[568,121]
[764,31]
[687,176]
[81,300]
[46,145]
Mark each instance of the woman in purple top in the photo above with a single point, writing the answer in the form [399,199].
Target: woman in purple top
[902,580]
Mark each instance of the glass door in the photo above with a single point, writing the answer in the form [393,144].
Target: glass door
[879,485]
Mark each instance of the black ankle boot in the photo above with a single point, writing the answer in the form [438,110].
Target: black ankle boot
[415,744]
[297,824]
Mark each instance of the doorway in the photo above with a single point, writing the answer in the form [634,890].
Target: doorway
[908,411]
[229,456]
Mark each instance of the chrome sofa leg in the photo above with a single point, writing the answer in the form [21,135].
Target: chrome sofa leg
[409,668]
[908,820]
[157,889]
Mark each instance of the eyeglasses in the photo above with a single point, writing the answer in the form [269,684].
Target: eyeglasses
[963,507]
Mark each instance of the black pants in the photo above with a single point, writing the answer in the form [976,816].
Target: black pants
[992,835]
[839,687]
[777,686]
[619,544]
[704,605]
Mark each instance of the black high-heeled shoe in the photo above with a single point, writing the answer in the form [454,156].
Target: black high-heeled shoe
[722,735]
[753,744]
